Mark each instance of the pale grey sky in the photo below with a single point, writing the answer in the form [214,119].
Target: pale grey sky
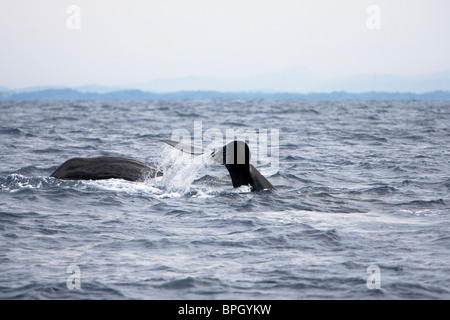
[123,42]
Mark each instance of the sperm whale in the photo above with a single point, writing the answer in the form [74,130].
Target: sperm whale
[235,156]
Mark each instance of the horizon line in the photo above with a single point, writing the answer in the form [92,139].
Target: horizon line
[138,94]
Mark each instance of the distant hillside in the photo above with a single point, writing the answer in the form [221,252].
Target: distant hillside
[296,82]
[71,94]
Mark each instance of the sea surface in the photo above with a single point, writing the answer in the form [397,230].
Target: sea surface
[361,208]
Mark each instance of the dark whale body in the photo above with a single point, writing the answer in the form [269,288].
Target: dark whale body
[235,156]
[99,168]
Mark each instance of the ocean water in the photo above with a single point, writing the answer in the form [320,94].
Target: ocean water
[361,209]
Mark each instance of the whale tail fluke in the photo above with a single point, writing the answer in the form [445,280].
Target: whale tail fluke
[236,158]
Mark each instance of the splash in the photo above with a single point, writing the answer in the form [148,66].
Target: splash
[180,170]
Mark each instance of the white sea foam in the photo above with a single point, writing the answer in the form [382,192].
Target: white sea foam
[119,185]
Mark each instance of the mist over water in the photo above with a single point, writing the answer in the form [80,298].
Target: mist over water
[360,183]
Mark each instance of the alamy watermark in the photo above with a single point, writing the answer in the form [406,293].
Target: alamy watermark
[374,280]
[74,280]
[263,143]
[373,21]
[73,21]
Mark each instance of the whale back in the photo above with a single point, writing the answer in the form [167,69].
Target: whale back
[99,168]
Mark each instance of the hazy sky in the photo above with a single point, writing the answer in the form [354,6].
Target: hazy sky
[134,41]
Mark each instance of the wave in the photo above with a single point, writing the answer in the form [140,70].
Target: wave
[200,286]
[11,131]
[378,191]
[59,291]
[46,150]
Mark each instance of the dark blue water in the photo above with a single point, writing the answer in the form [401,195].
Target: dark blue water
[359,184]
